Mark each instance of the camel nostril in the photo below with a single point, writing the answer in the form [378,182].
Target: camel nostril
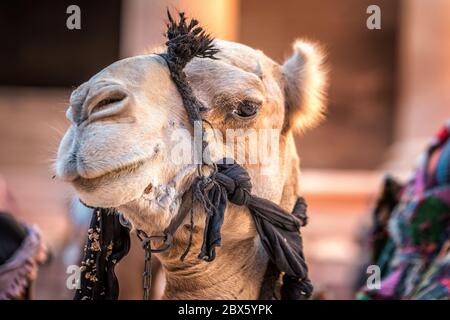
[111,101]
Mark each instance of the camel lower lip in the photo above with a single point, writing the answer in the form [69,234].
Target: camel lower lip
[92,183]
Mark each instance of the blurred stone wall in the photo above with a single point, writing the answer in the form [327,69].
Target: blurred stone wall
[424,79]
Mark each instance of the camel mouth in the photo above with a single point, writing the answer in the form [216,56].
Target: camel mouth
[90,184]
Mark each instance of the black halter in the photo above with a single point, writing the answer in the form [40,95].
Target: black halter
[228,182]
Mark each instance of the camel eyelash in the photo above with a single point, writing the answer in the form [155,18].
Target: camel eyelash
[246,110]
[241,109]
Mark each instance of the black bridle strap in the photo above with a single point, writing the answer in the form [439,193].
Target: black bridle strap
[167,235]
[278,230]
[167,238]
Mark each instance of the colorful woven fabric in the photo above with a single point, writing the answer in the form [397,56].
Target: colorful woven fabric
[415,258]
[21,268]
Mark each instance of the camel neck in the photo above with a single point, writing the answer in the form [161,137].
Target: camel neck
[236,273]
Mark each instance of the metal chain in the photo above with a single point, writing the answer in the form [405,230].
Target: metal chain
[147,274]
[147,245]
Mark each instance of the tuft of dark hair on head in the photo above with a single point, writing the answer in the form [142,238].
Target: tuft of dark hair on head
[186,40]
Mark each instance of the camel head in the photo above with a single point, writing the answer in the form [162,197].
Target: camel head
[128,126]
[133,146]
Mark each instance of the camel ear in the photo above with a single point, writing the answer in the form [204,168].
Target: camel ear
[305,81]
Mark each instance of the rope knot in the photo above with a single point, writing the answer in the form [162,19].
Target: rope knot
[236,181]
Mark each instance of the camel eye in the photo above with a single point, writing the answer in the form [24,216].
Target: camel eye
[246,110]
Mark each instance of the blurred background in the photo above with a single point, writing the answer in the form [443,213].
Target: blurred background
[388,94]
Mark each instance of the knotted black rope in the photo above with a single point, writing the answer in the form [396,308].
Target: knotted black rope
[277,229]
[108,242]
